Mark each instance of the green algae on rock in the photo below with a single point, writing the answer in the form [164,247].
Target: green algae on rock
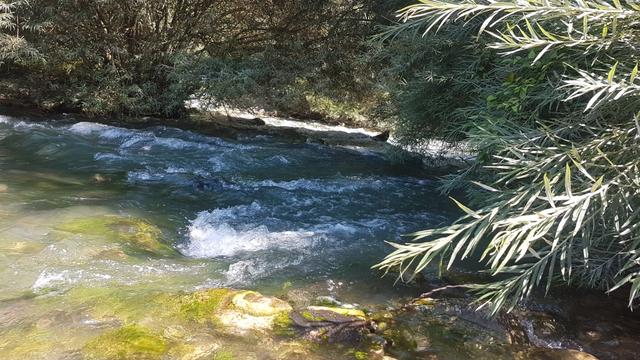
[135,235]
[127,342]
[251,312]
[234,312]
[315,316]
[327,324]
[256,304]
[202,306]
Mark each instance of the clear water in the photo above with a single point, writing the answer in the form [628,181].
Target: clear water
[256,213]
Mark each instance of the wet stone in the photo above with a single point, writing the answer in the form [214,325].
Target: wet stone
[319,323]
[256,304]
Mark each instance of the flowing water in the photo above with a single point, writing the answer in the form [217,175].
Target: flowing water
[257,213]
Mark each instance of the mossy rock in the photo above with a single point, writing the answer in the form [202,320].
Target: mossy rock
[327,324]
[236,312]
[253,303]
[325,314]
[134,234]
[203,306]
[200,349]
[20,247]
[127,342]
[283,325]
[27,342]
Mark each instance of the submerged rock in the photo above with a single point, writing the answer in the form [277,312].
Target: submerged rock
[321,323]
[134,234]
[99,179]
[203,306]
[256,304]
[235,312]
[127,342]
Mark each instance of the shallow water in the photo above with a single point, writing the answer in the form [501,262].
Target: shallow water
[256,213]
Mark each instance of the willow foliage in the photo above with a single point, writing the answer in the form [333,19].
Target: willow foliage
[560,195]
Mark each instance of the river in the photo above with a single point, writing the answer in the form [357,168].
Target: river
[104,229]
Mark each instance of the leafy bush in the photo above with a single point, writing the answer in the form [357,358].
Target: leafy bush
[132,57]
[558,149]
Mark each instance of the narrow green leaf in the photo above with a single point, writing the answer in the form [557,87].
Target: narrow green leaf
[466,209]
[598,184]
[567,180]
[547,189]
[612,73]
[486,187]
[634,73]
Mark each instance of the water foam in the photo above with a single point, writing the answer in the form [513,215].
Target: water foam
[209,240]
[88,128]
[213,234]
[245,271]
[319,185]
[49,279]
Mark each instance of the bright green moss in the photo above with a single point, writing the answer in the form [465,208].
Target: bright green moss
[201,306]
[128,342]
[224,355]
[360,355]
[283,325]
[311,317]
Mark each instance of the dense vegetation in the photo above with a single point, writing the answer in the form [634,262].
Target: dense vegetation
[147,57]
[555,124]
[544,91]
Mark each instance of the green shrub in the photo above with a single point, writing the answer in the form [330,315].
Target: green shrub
[558,150]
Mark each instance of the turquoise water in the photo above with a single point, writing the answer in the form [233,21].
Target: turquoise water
[96,220]
[238,212]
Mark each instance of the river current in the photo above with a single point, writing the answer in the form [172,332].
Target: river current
[254,213]
[237,211]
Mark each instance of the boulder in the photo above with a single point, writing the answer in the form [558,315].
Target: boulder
[236,312]
[258,122]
